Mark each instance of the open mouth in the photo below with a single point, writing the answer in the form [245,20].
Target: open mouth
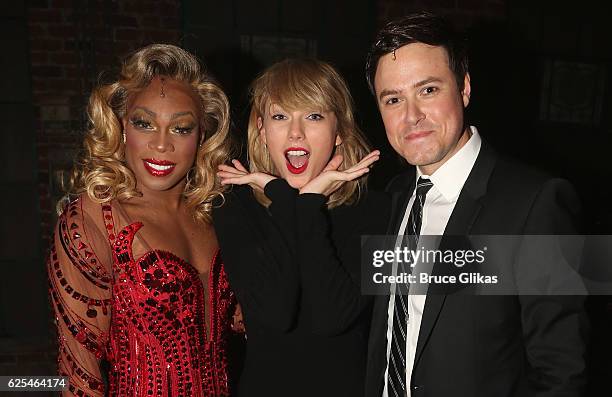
[159,167]
[297,159]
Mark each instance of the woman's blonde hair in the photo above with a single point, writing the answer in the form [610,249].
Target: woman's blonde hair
[307,84]
[101,172]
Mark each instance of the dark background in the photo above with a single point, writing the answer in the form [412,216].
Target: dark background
[541,86]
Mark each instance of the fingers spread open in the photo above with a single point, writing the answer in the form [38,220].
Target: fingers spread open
[334,163]
[229,168]
[349,176]
[239,165]
[235,180]
[365,163]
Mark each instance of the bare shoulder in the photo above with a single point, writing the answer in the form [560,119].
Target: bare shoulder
[81,226]
[85,211]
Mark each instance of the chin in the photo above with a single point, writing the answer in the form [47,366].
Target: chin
[158,187]
[158,184]
[296,182]
[419,158]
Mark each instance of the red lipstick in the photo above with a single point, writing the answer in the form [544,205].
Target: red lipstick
[297,159]
[159,168]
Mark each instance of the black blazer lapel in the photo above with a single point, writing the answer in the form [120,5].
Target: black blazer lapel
[460,223]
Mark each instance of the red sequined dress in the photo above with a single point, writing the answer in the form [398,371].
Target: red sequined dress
[145,317]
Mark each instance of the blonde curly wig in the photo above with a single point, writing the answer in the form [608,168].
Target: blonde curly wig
[101,173]
[304,84]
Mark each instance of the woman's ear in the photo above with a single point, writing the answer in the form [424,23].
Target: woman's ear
[338,139]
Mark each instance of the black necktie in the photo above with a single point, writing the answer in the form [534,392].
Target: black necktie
[397,358]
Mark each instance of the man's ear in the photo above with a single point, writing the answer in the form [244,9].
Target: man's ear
[262,130]
[467,90]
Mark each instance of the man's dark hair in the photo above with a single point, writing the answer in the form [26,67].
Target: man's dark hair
[422,27]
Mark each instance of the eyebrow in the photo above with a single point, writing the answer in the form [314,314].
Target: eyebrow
[179,114]
[386,92]
[147,111]
[418,84]
[426,81]
[174,115]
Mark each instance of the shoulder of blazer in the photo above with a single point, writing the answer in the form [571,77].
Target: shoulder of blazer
[476,184]
[515,179]
[517,173]
[513,184]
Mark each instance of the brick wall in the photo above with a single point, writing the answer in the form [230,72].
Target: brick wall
[71,43]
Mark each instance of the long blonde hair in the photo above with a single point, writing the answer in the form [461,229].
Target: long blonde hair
[307,83]
[101,173]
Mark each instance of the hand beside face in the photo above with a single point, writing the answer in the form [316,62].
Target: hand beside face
[300,142]
[162,135]
[421,105]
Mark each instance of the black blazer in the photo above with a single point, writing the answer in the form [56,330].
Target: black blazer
[295,268]
[493,345]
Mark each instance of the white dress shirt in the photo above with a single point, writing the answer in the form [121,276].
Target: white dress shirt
[448,180]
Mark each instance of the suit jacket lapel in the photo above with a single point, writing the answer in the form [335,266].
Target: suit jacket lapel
[460,223]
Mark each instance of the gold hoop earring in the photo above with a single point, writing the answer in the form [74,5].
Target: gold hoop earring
[124,138]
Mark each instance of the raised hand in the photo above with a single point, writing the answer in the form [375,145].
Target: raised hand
[238,175]
[330,179]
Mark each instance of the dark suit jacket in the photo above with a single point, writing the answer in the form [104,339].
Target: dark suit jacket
[498,346]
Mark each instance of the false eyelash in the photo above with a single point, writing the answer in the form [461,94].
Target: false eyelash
[186,129]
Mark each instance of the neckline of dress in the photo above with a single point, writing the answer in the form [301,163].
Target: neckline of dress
[181,261]
[137,225]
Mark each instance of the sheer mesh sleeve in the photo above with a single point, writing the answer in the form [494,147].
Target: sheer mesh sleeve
[79,270]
